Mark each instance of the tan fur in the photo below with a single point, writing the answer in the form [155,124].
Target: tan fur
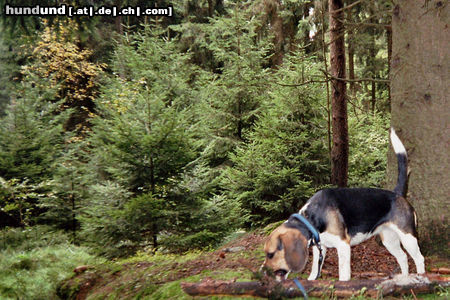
[335,225]
[293,254]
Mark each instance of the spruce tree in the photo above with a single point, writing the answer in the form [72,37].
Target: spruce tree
[286,157]
[233,93]
[140,141]
[31,137]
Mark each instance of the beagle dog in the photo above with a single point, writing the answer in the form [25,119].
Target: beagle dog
[345,217]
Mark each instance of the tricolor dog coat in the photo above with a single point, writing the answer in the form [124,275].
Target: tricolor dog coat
[345,217]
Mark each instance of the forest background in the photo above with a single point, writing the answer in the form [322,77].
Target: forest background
[128,134]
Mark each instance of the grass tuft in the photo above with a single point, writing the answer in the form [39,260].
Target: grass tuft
[29,269]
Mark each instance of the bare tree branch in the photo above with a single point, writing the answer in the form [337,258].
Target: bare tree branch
[356,80]
[349,6]
[301,84]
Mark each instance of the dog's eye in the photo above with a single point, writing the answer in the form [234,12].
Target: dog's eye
[270,255]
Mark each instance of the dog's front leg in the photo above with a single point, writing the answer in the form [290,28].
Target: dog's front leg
[344,256]
[315,270]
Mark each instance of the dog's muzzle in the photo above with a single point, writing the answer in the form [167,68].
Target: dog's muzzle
[281,274]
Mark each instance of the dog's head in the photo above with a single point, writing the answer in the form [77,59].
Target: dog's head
[286,250]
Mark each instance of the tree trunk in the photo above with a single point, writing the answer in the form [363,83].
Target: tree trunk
[210,8]
[420,111]
[280,32]
[351,52]
[374,288]
[309,46]
[373,95]
[389,54]
[339,152]
[118,19]
[372,62]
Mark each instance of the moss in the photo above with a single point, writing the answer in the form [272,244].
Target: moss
[69,288]
[269,228]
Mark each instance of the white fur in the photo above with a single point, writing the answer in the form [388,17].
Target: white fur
[392,242]
[409,242]
[315,263]
[393,238]
[344,255]
[303,209]
[359,238]
[396,143]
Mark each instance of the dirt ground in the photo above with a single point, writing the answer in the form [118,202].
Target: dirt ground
[369,259]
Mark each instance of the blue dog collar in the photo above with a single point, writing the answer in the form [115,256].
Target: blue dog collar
[311,228]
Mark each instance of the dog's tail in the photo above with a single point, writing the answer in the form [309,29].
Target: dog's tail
[402,181]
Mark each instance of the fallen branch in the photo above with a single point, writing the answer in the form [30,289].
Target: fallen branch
[316,288]
[441,270]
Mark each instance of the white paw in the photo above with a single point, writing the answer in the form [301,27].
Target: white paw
[312,277]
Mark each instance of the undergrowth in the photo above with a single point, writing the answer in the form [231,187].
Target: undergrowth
[32,264]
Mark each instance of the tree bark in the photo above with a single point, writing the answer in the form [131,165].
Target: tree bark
[278,33]
[339,152]
[351,52]
[420,111]
[389,53]
[118,19]
[318,288]
[283,30]
[372,68]
[372,61]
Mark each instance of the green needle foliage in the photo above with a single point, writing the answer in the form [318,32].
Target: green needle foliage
[285,160]
[233,97]
[368,149]
[31,135]
[197,126]
[141,144]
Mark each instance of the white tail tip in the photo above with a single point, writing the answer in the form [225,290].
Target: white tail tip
[396,143]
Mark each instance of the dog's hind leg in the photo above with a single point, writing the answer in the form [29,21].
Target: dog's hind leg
[411,245]
[391,241]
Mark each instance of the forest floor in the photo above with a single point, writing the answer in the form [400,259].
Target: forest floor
[159,276]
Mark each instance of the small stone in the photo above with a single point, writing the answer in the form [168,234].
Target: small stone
[235,249]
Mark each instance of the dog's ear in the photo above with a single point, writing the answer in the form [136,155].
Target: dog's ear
[279,244]
[295,250]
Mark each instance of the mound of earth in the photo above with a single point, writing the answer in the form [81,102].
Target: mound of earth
[243,255]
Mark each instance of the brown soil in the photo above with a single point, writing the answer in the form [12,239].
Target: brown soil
[369,260]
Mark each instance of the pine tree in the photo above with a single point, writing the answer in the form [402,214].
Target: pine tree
[233,97]
[31,137]
[10,55]
[285,159]
[141,140]
[142,111]
[61,206]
